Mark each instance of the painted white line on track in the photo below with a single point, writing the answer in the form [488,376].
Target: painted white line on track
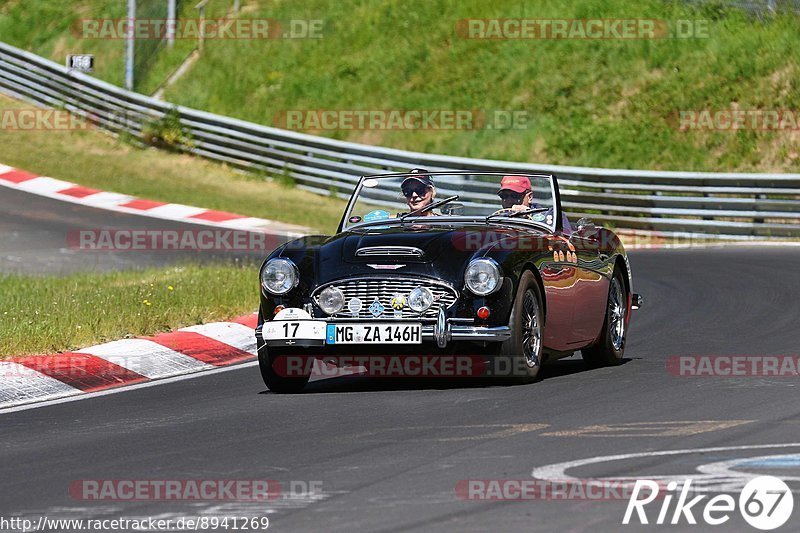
[726,481]
[728,468]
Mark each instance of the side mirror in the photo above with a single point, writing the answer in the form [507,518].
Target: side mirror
[453,209]
[585,225]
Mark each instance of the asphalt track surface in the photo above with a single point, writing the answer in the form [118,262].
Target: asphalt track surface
[35,238]
[389,453]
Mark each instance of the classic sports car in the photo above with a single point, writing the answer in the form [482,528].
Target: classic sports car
[448,263]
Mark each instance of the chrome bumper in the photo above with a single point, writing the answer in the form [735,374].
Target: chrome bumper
[442,332]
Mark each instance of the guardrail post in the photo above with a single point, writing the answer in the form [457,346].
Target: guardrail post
[201,7]
[171,22]
[129,49]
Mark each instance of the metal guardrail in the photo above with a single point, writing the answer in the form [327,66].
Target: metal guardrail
[721,205]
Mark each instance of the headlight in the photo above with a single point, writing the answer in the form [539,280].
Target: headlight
[482,276]
[279,276]
[331,300]
[420,299]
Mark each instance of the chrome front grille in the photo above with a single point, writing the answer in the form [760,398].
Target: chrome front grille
[367,289]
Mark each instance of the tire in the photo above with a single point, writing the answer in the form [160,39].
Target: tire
[523,351]
[610,349]
[272,379]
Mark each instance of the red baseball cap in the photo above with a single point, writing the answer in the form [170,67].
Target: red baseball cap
[519,184]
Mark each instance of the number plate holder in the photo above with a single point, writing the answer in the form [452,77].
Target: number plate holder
[294,332]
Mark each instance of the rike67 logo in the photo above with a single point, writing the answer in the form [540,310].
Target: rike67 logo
[765,503]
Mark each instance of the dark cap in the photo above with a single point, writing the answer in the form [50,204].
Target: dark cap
[423,177]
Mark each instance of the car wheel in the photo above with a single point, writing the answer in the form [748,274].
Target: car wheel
[273,379]
[522,353]
[610,348]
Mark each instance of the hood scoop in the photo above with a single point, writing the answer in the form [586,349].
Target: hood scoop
[390,251]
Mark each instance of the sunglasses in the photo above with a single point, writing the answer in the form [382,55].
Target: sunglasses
[420,190]
[508,195]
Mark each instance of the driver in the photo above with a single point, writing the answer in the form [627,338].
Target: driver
[516,193]
[419,191]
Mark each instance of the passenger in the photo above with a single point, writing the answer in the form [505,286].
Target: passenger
[516,193]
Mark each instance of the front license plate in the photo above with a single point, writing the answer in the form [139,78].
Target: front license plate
[294,330]
[374,334]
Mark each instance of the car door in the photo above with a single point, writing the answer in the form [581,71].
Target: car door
[559,275]
[591,283]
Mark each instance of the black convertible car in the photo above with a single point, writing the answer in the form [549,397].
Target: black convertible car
[477,263]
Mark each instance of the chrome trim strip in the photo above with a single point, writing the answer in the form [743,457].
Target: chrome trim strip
[391,251]
[471,333]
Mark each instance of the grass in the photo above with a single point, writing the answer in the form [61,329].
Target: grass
[95,159]
[50,29]
[44,315]
[608,103]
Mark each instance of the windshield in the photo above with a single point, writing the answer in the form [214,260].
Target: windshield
[445,196]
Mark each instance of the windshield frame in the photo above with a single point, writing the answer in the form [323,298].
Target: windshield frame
[555,226]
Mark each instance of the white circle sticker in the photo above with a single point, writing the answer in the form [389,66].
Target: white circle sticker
[766,502]
[354,305]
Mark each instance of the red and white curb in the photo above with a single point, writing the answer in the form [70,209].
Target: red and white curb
[77,194]
[30,379]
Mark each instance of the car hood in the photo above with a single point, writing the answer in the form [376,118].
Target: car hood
[434,250]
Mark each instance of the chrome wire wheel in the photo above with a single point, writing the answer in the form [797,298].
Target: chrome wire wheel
[617,308]
[531,330]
